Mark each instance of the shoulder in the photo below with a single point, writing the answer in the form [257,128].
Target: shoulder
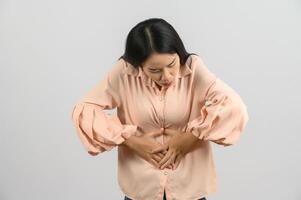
[121,67]
[117,68]
[202,75]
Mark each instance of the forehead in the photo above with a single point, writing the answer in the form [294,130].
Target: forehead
[159,59]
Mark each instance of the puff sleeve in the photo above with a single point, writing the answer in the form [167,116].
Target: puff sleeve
[223,116]
[97,130]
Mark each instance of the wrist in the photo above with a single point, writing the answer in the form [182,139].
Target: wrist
[192,137]
[131,141]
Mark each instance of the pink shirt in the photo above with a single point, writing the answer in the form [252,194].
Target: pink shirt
[198,102]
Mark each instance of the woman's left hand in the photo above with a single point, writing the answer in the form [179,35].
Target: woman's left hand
[179,145]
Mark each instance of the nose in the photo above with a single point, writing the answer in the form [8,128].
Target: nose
[164,77]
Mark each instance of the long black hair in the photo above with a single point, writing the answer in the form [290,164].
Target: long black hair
[153,35]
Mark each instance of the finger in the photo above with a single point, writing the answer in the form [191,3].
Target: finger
[177,162]
[155,164]
[156,157]
[161,154]
[169,166]
[173,165]
[159,158]
[170,132]
[155,133]
[166,158]
[160,149]
[169,161]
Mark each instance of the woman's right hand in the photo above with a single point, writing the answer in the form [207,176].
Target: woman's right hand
[144,144]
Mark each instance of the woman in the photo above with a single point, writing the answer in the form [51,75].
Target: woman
[169,108]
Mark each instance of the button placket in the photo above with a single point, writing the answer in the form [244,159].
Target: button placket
[163,114]
[161,97]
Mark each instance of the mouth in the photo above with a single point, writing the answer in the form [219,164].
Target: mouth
[166,84]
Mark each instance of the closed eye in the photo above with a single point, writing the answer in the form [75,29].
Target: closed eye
[169,66]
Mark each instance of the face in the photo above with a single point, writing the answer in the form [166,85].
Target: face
[162,68]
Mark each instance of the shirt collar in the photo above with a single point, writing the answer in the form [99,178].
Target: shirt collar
[184,70]
[131,70]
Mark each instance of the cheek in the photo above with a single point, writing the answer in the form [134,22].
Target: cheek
[154,76]
[157,76]
[175,71]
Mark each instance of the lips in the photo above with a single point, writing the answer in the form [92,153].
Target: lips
[166,84]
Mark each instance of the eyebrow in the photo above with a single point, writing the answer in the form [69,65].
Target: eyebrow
[167,65]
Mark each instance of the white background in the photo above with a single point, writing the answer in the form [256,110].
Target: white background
[53,52]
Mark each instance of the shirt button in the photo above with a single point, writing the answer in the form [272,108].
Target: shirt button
[208,102]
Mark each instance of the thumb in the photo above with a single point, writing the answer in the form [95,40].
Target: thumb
[170,132]
[156,133]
